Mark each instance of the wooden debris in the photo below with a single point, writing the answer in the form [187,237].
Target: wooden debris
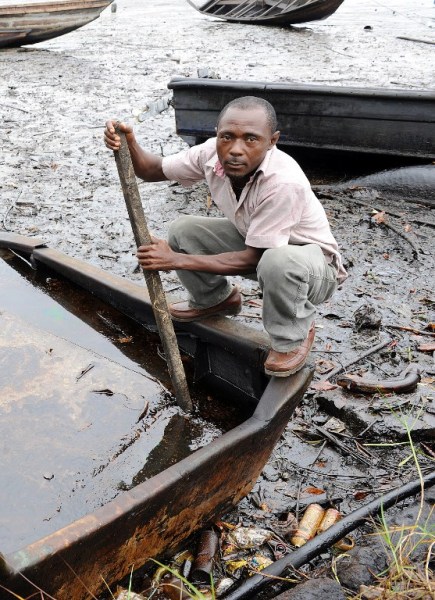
[382,219]
[341,445]
[411,39]
[357,359]
[407,382]
[411,329]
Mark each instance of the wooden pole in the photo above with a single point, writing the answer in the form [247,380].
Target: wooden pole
[154,284]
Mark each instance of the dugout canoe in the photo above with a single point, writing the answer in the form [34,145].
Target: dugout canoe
[397,123]
[31,21]
[267,12]
[158,514]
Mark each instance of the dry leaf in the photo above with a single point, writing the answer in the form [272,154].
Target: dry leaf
[379,217]
[324,365]
[323,386]
[429,347]
[360,495]
[313,490]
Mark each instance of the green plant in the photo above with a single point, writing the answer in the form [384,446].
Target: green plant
[405,579]
[191,589]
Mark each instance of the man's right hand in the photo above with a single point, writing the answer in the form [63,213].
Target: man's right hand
[112,139]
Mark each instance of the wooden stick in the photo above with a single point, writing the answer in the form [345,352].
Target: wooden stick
[152,278]
[411,329]
[415,248]
[410,39]
[355,360]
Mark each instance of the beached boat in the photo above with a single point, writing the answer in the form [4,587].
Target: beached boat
[368,120]
[31,21]
[59,396]
[267,12]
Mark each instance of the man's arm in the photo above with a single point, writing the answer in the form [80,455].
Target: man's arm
[158,256]
[146,165]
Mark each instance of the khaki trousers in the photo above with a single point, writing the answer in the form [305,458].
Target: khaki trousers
[293,279]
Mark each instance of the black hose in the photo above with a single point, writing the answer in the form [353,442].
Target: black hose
[324,540]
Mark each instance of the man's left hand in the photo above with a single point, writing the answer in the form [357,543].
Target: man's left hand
[157,256]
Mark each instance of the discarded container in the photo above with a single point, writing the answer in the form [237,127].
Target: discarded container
[331,516]
[249,537]
[260,562]
[345,544]
[203,564]
[223,586]
[308,525]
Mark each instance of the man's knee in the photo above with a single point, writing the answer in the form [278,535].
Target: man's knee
[278,261]
[177,230]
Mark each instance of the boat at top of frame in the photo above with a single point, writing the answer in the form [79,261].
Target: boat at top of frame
[267,12]
[62,398]
[32,21]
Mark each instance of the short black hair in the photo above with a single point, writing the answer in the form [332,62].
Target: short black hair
[246,102]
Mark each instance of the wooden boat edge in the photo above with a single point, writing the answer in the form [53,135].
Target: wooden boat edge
[159,514]
[226,354]
[33,23]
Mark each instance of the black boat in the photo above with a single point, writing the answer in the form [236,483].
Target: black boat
[399,123]
[267,12]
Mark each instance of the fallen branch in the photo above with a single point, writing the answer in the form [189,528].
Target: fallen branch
[410,39]
[343,447]
[415,249]
[357,359]
[406,383]
[411,329]
[326,539]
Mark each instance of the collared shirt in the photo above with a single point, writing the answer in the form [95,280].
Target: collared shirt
[277,205]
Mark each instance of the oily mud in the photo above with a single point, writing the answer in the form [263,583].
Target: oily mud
[84,413]
[59,183]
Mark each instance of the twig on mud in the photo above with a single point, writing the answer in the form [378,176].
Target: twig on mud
[410,39]
[411,329]
[341,446]
[427,449]
[313,462]
[15,107]
[298,499]
[415,249]
[11,206]
[355,360]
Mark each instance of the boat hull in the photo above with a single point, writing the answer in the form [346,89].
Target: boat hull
[369,121]
[157,515]
[32,23]
[272,12]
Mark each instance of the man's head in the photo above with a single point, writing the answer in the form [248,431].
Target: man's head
[246,130]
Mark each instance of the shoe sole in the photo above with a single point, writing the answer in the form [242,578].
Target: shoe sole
[284,373]
[223,313]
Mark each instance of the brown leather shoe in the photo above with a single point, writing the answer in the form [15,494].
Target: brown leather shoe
[181,311]
[283,364]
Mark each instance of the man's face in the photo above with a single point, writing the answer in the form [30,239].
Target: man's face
[243,138]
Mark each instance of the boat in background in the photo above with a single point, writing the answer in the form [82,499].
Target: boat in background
[32,21]
[397,123]
[157,514]
[267,12]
